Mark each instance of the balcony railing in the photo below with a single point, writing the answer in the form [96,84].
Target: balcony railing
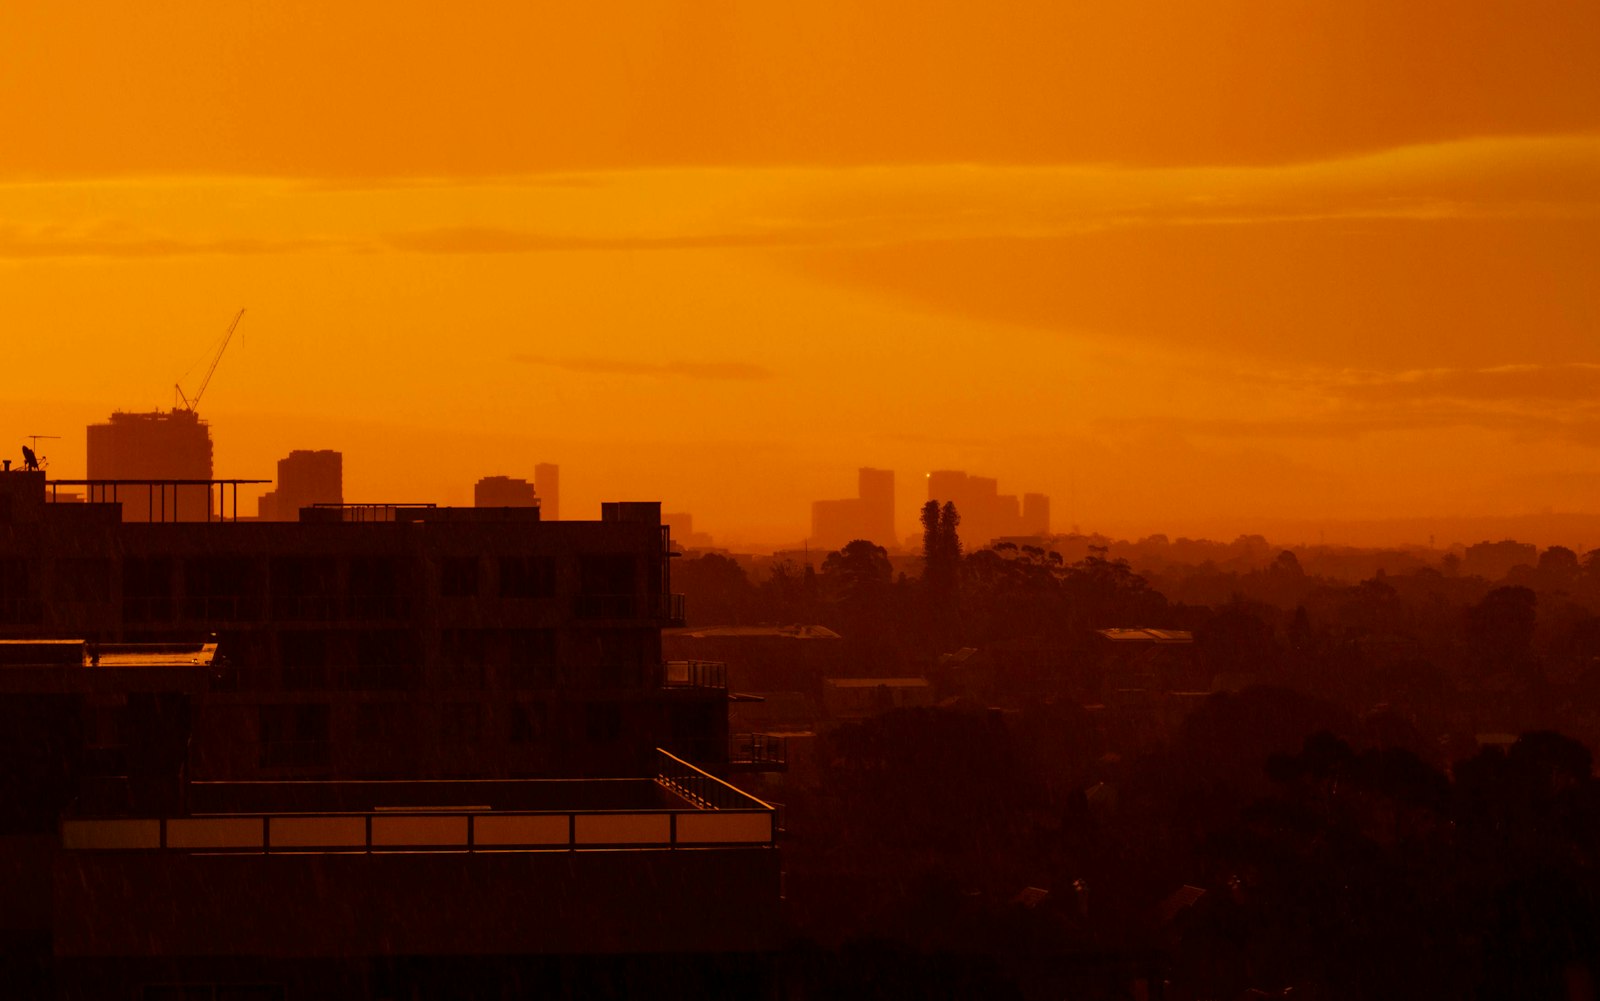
[701,787]
[675,610]
[758,751]
[694,674]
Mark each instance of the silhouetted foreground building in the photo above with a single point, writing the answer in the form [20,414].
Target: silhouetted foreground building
[305,479]
[160,445]
[869,515]
[339,758]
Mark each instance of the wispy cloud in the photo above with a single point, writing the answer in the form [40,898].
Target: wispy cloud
[1560,402]
[1578,381]
[718,370]
[706,208]
[36,244]
[490,240]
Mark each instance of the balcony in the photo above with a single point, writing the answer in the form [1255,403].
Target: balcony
[680,807]
[672,863]
[675,611]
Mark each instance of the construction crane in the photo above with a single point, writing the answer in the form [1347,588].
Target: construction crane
[189,404]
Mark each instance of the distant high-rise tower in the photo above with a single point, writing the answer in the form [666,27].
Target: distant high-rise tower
[503,491]
[547,480]
[161,445]
[868,515]
[305,478]
[1035,514]
[987,514]
[875,487]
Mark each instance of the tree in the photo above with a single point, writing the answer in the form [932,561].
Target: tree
[941,571]
[1500,627]
[859,573]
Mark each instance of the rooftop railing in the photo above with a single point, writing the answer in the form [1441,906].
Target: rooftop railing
[161,495]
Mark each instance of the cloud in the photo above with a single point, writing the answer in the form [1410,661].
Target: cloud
[1578,381]
[491,240]
[716,370]
[35,244]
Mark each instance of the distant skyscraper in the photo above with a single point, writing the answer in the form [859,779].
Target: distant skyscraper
[547,480]
[875,487]
[161,445]
[305,478]
[503,491]
[869,515]
[1035,514]
[987,514]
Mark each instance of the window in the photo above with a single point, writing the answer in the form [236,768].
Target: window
[462,654]
[304,655]
[385,659]
[530,658]
[83,579]
[602,722]
[608,573]
[294,735]
[147,589]
[458,577]
[527,577]
[530,722]
[461,721]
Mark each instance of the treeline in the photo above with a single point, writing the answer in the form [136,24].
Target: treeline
[1395,798]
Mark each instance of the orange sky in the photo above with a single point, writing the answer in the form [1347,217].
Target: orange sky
[1198,265]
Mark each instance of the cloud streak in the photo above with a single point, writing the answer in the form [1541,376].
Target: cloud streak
[711,370]
[706,208]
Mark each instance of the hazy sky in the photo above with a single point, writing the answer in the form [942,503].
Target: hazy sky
[1193,264]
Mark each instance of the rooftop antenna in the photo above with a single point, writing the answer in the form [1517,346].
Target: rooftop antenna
[191,405]
[30,457]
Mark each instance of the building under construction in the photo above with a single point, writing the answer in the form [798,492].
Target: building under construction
[161,447]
